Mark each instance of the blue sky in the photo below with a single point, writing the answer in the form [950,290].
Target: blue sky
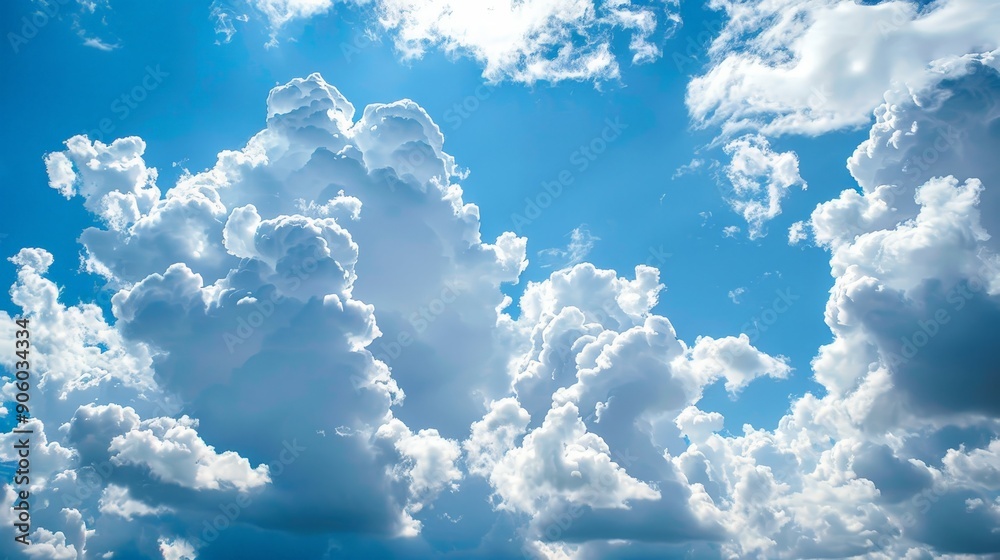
[752,105]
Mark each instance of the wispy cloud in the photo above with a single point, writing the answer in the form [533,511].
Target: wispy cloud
[581,241]
[95,42]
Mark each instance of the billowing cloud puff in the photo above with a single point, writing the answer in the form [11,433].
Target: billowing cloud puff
[582,444]
[173,452]
[760,178]
[117,501]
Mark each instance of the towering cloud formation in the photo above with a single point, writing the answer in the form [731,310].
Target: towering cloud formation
[239,367]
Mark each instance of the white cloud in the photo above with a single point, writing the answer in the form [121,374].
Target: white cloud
[97,43]
[427,462]
[603,380]
[225,17]
[548,40]
[735,294]
[691,167]
[760,178]
[117,501]
[978,468]
[912,257]
[176,549]
[173,452]
[797,233]
[528,41]
[581,241]
[791,66]
[494,435]
[732,358]
[698,425]
[280,12]
[561,460]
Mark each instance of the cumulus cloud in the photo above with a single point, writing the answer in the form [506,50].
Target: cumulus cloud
[760,179]
[426,460]
[173,452]
[797,233]
[584,435]
[224,294]
[911,309]
[177,549]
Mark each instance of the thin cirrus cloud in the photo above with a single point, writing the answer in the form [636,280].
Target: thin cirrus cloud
[581,242]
